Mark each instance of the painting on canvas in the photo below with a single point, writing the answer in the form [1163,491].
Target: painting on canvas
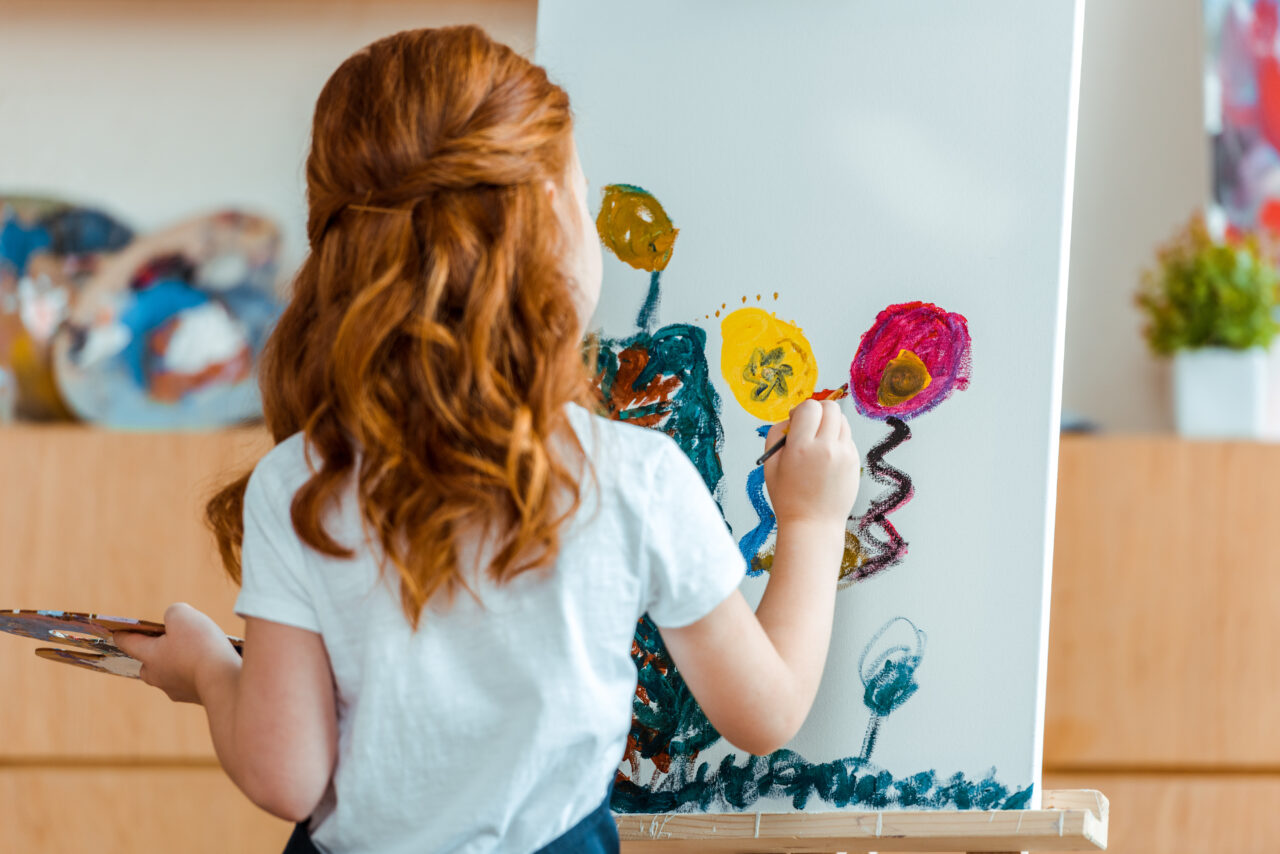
[1242,115]
[864,202]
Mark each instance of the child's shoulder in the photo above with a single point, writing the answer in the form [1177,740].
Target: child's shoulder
[284,468]
[629,447]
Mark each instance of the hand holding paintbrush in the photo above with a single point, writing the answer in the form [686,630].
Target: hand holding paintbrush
[829,394]
[813,486]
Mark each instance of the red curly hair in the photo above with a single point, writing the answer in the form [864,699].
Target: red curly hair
[432,340]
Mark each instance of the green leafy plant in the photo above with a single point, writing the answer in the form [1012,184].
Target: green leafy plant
[1208,294]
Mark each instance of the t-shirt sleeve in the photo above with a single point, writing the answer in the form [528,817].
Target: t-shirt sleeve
[273,584]
[693,562]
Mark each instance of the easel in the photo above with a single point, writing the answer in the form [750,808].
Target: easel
[1070,820]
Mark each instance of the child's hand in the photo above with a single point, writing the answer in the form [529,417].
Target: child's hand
[814,478]
[173,661]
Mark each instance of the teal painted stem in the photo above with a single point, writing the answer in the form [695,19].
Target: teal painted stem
[647,320]
[869,740]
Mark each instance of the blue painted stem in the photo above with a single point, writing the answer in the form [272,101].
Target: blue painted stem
[754,540]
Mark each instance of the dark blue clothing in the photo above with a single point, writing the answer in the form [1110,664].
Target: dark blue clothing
[595,834]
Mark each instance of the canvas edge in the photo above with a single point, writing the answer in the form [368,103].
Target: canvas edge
[1055,401]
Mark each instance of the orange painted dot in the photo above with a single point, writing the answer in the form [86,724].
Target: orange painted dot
[744,300]
[775,294]
[757,298]
[717,314]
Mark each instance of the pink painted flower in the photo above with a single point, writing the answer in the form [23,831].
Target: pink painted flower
[910,360]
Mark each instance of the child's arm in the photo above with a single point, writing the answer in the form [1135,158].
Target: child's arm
[272,717]
[756,675]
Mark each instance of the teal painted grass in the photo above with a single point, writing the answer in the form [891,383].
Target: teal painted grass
[738,784]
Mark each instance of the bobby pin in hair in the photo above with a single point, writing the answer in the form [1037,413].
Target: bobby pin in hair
[372,209]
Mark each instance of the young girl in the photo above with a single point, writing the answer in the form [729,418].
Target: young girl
[444,557]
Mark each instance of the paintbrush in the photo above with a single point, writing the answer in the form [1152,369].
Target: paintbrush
[829,394]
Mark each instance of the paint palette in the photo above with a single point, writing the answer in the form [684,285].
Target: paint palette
[88,634]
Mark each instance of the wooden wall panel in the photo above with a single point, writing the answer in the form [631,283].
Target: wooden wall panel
[1164,640]
[127,810]
[1186,813]
[109,522]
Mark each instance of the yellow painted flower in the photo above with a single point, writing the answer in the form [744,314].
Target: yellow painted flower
[633,226]
[904,377]
[767,363]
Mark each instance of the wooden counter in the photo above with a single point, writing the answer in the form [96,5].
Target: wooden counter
[1165,633]
[91,520]
[1164,641]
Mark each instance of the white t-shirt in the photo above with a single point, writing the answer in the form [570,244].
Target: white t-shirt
[494,728]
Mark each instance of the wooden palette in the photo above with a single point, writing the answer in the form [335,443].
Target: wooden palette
[90,635]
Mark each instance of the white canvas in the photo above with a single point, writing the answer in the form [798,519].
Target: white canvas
[849,156]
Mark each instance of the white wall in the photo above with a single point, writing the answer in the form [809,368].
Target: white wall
[1142,168]
[158,108]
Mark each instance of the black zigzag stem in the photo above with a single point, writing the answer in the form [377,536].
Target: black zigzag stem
[893,547]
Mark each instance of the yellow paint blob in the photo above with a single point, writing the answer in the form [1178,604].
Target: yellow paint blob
[904,377]
[763,562]
[850,561]
[852,557]
[767,363]
[633,226]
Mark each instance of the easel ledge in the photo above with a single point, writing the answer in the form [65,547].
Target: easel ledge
[1070,820]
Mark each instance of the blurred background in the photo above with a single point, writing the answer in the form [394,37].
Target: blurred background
[151,208]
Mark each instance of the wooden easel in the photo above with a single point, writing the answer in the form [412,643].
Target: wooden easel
[1070,820]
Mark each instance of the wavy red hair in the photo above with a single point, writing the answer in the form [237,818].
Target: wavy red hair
[431,343]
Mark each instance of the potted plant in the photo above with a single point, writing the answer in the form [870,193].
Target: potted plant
[1211,305]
